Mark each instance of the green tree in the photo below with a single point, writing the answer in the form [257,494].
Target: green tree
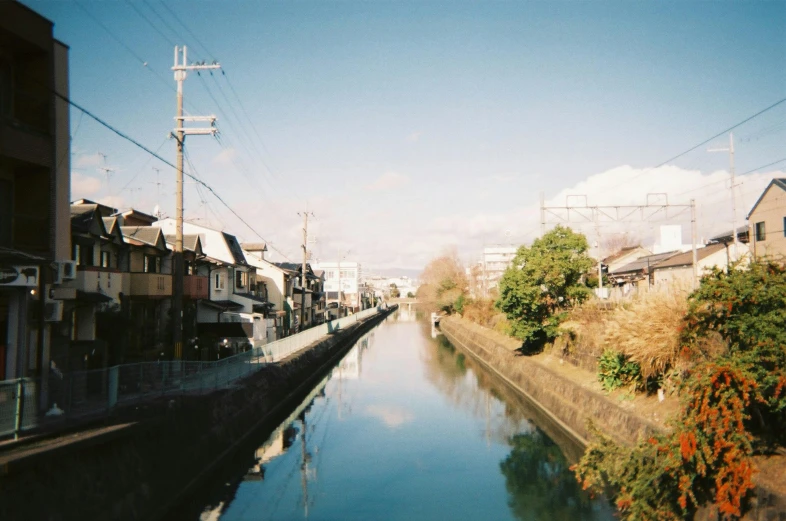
[394,291]
[543,282]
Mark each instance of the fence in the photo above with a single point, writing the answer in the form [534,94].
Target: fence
[69,396]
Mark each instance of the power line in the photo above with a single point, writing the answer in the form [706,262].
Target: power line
[154,154]
[719,134]
[764,166]
[150,23]
[177,18]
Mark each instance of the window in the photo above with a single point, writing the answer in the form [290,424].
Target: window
[83,255]
[241,279]
[105,260]
[784,226]
[218,281]
[760,231]
[152,264]
[6,212]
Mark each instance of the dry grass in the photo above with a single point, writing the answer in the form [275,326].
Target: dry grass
[648,330]
[483,313]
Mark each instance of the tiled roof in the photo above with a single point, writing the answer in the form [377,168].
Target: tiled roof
[144,234]
[686,259]
[643,262]
[190,241]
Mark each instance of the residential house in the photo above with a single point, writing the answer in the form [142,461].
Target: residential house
[234,312]
[34,188]
[767,220]
[95,316]
[312,295]
[677,271]
[636,275]
[196,278]
[625,256]
[150,293]
[279,286]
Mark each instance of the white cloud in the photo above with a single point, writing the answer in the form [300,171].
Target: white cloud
[414,137]
[86,161]
[225,158]
[391,415]
[84,186]
[388,181]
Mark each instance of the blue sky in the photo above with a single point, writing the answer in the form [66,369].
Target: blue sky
[412,126]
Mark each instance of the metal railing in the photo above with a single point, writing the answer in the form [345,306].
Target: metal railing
[29,403]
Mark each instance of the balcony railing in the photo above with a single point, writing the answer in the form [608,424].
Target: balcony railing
[151,285]
[195,286]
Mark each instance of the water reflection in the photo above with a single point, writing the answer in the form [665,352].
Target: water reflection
[404,428]
[541,486]
[538,479]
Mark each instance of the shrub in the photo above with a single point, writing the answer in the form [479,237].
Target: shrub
[616,370]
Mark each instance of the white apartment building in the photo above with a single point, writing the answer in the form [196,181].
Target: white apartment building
[350,276]
[496,260]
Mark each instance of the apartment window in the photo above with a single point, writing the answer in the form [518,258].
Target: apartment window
[218,281]
[760,232]
[105,260]
[152,264]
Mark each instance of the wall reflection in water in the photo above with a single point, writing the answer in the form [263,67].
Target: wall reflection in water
[537,473]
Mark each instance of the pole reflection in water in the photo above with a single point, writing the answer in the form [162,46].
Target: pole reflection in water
[406,427]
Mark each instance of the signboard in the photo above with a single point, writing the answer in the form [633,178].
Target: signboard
[26,276]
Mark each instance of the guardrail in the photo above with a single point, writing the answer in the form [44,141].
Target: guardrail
[92,393]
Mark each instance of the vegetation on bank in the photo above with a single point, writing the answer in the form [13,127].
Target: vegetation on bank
[732,383]
[721,348]
[544,281]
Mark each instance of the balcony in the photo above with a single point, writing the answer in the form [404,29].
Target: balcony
[105,281]
[195,286]
[151,285]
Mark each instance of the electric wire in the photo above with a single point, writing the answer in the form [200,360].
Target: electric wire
[150,23]
[166,162]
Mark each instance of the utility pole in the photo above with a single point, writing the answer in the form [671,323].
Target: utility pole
[733,187]
[181,68]
[303,278]
[339,283]
[693,241]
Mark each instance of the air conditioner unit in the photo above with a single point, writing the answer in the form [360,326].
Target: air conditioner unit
[66,270]
[53,311]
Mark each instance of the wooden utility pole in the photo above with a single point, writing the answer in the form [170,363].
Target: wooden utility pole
[181,68]
[303,277]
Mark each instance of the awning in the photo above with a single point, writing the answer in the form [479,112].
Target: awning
[222,304]
[92,297]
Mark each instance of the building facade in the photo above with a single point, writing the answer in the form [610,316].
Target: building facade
[34,187]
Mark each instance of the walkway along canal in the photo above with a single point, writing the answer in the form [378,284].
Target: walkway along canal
[404,427]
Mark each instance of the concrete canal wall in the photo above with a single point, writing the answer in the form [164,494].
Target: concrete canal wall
[142,465]
[570,403]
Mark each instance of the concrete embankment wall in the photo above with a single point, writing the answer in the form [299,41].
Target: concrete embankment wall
[570,405]
[144,464]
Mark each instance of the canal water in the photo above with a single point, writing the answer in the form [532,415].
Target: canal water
[405,427]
